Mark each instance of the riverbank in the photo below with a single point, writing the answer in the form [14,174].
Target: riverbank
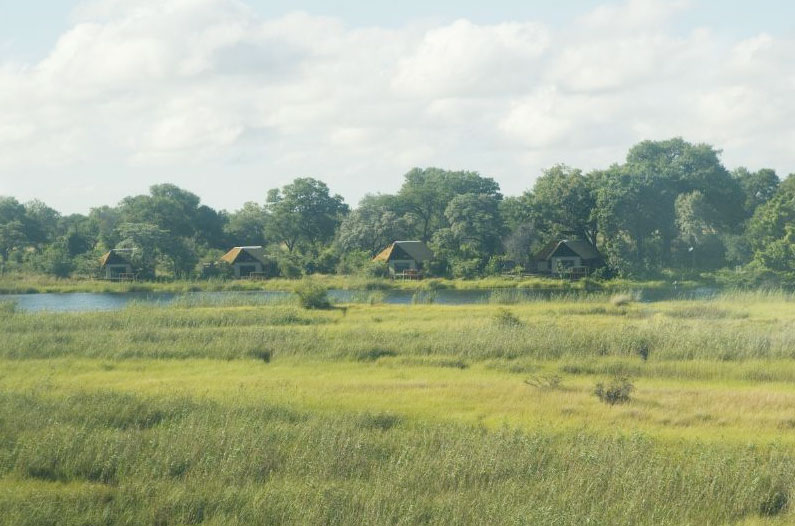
[32,284]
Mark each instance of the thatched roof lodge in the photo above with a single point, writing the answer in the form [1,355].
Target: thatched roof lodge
[247,262]
[116,265]
[575,257]
[405,257]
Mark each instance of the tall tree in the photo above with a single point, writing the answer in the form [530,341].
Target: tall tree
[476,224]
[41,222]
[147,242]
[563,201]
[247,226]
[304,215]
[372,225]
[426,193]
[13,232]
[771,230]
[758,187]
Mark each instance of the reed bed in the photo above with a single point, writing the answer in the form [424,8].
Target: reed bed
[242,411]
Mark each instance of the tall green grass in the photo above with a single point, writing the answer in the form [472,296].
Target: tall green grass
[727,331]
[35,283]
[109,458]
[232,439]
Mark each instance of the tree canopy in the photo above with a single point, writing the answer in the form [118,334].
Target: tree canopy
[670,207]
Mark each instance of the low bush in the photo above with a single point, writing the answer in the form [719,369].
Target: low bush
[261,354]
[506,318]
[774,504]
[616,392]
[312,295]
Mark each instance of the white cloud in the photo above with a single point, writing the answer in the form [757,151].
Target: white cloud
[203,92]
[466,59]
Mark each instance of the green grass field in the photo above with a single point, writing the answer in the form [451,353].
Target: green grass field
[13,283]
[379,414]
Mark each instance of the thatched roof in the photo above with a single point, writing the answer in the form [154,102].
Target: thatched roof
[115,257]
[257,252]
[416,250]
[582,248]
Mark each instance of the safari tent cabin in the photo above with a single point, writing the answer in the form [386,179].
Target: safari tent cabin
[116,265]
[247,262]
[405,257]
[569,257]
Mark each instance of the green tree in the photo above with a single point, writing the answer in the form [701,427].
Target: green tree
[13,232]
[41,223]
[372,225]
[563,201]
[104,221]
[771,230]
[247,226]
[56,259]
[303,215]
[758,187]
[426,193]
[476,224]
[167,206]
[474,234]
[147,242]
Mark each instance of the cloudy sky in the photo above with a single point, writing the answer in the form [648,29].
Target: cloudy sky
[228,98]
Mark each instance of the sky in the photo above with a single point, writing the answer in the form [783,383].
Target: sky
[100,99]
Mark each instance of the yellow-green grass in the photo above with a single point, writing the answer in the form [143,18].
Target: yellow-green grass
[35,283]
[738,412]
[384,414]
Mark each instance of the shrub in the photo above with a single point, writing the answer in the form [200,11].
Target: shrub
[616,392]
[288,268]
[643,349]
[505,318]
[312,295]
[375,269]
[261,354]
[774,504]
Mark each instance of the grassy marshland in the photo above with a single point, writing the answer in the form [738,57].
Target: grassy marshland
[423,414]
[32,284]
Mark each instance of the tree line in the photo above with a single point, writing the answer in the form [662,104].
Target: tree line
[671,208]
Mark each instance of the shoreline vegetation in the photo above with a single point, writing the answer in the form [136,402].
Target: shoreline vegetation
[606,411]
[33,284]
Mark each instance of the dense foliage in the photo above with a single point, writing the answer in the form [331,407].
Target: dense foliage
[670,209]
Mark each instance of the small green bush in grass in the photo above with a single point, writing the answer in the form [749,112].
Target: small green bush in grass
[505,318]
[261,354]
[312,295]
[616,392]
[774,504]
